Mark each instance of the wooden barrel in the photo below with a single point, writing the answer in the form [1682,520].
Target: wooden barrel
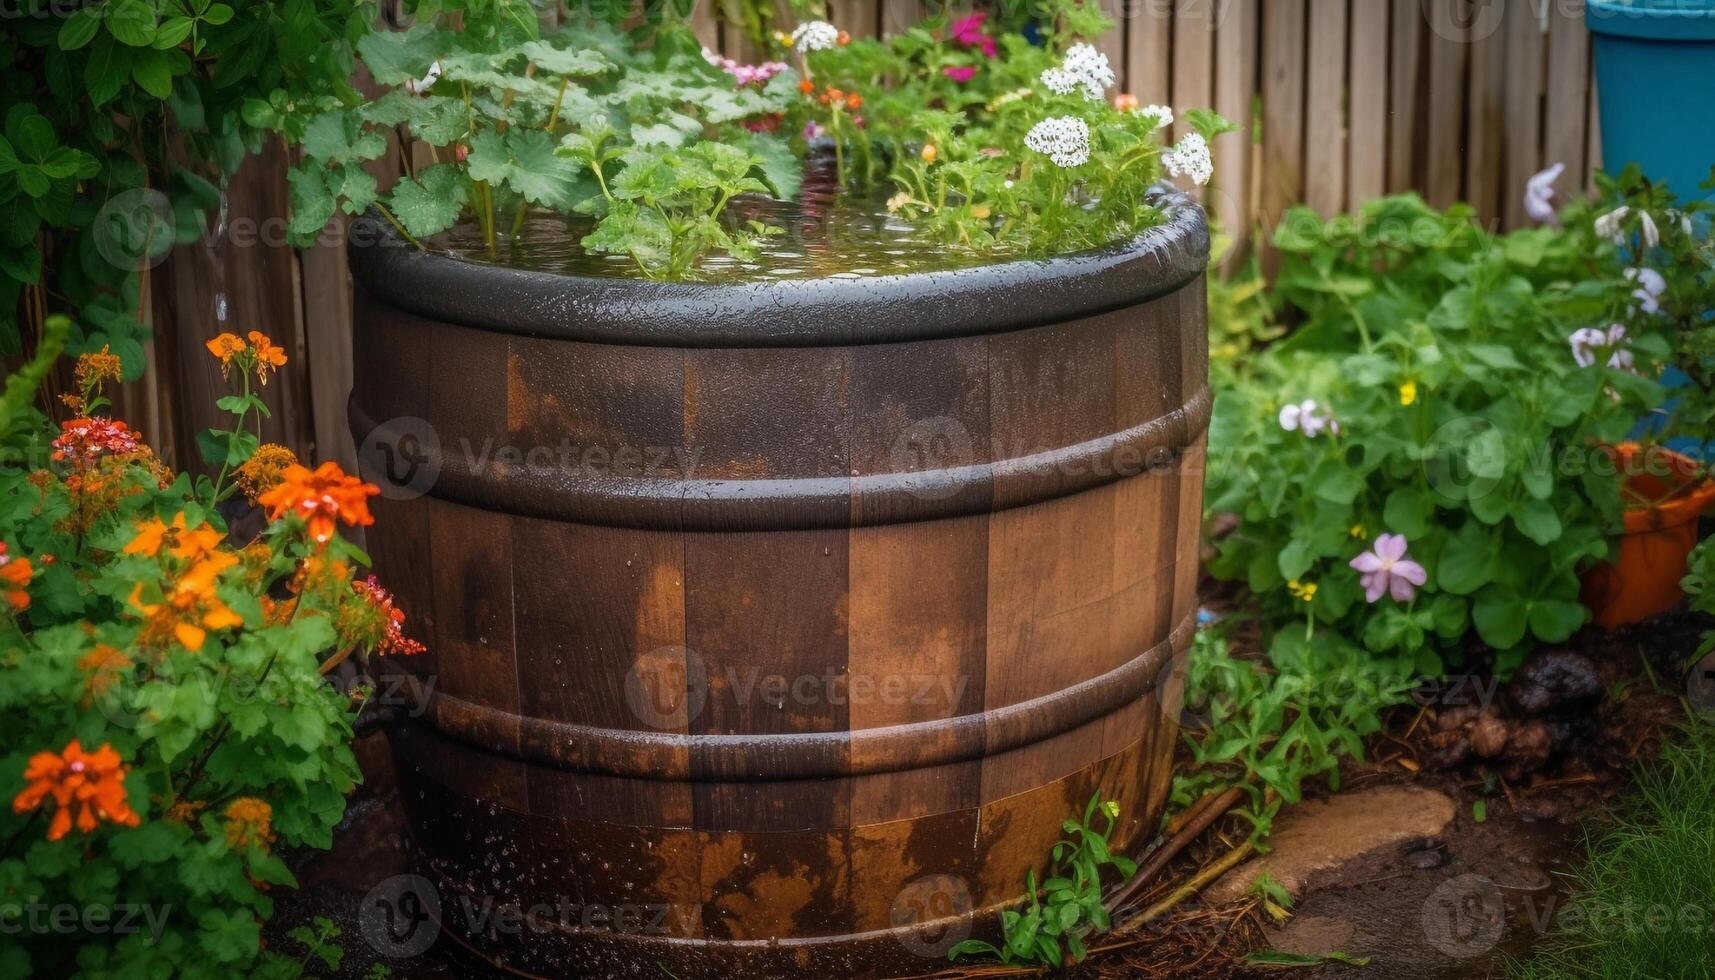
[775,628]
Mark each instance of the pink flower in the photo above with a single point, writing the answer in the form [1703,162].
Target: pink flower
[959,73]
[1385,568]
[967,32]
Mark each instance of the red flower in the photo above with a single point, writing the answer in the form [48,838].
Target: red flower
[392,638]
[84,440]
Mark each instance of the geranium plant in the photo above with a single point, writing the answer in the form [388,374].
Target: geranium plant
[167,724]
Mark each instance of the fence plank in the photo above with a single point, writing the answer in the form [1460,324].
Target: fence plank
[1283,113]
[1406,83]
[1366,114]
[1235,84]
[1525,41]
[1193,59]
[1485,132]
[1112,41]
[1444,116]
[859,18]
[1324,109]
[1568,116]
[327,306]
[1149,54]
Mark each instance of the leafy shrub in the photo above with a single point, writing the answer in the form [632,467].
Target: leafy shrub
[1053,920]
[91,187]
[1441,408]
[1269,726]
[166,722]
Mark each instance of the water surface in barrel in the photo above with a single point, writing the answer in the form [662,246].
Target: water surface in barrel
[828,233]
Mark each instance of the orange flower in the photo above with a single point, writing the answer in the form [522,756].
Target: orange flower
[226,347]
[86,788]
[267,355]
[928,153]
[15,574]
[95,368]
[806,86]
[104,665]
[322,497]
[249,824]
[854,101]
[1125,102]
[190,607]
[181,541]
[264,470]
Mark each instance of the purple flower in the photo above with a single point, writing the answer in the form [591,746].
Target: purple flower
[1385,568]
[812,130]
[959,73]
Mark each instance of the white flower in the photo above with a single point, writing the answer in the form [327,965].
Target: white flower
[1610,226]
[1674,214]
[1652,235]
[1163,115]
[1059,81]
[1066,140]
[1303,417]
[1190,159]
[421,85]
[815,35]
[1539,195]
[1651,285]
[1586,341]
[1091,69]
[1084,67]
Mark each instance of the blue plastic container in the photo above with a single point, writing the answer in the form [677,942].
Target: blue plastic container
[1655,76]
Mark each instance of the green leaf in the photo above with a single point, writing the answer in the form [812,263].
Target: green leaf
[1537,520]
[1500,617]
[131,22]
[1467,563]
[1554,620]
[152,71]
[80,28]
[431,202]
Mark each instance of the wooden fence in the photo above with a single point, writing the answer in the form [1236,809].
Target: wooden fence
[1338,101]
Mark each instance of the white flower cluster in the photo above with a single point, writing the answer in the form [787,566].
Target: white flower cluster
[1651,284]
[1588,341]
[1066,140]
[1163,115]
[1539,195]
[815,35]
[1084,67]
[1307,417]
[1612,227]
[1190,159]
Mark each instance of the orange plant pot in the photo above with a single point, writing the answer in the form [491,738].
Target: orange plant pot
[1644,581]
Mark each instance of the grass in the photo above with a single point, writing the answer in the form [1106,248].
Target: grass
[1644,903]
